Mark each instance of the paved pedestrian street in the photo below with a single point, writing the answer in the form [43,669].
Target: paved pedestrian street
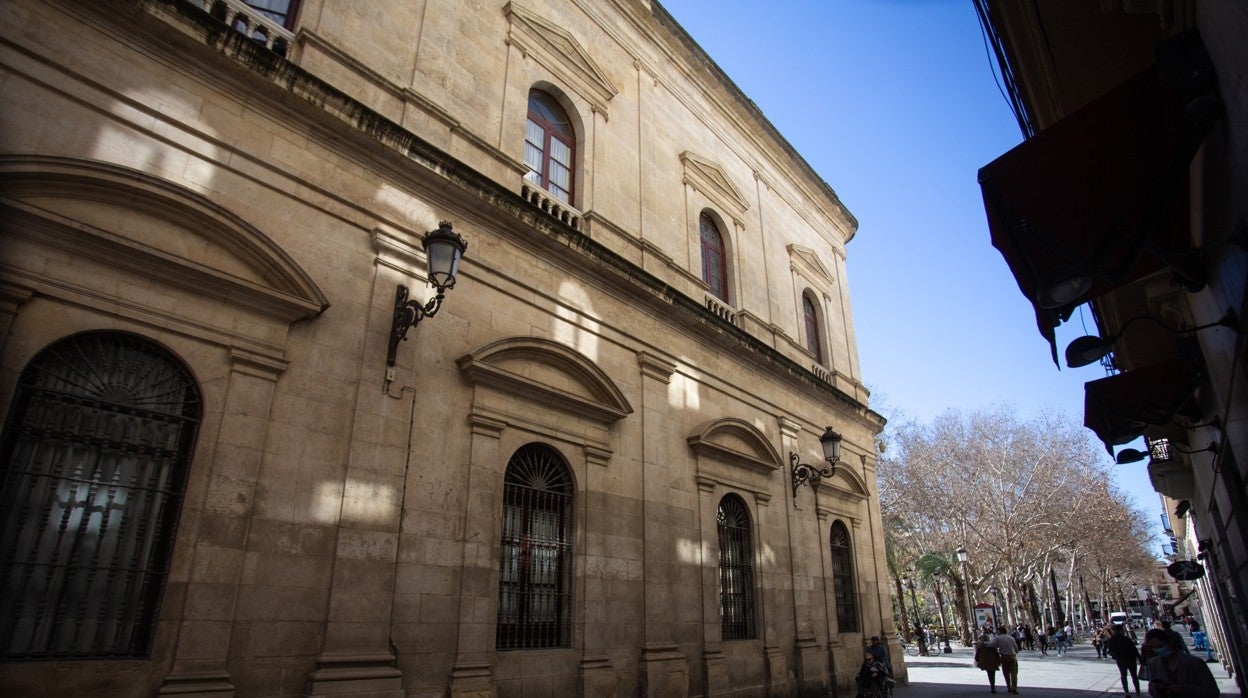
[1078,674]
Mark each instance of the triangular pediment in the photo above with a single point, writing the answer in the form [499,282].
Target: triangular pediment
[559,52]
[806,261]
[709,178]
[548,373]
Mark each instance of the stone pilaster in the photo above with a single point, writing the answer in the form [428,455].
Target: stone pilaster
[715,671]
[211,591]
[665,670]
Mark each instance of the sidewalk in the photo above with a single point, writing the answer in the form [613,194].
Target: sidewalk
[1077,674]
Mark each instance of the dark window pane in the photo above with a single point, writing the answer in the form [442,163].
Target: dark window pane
[843,579]
[714,268]
[535,561]
[95,456]
[736,570]
[812,328]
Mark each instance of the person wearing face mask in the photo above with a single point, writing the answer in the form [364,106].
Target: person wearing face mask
[1175,674]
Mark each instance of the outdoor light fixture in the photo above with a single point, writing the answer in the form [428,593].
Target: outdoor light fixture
[1133,455]
[1090,349]
[804,472]
[443,249]
[1063,290]
[963,558]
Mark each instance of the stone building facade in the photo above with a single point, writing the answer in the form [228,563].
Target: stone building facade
[576,478]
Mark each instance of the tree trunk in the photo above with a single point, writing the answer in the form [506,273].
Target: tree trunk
[962,593]
[1058,616]
[901,606]
[940,604]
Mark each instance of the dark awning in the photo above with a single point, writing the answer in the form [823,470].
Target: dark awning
[1119,408]
[1101,194]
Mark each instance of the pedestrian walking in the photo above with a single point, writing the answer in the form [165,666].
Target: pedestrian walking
[1059,636]
[1098,644]
[986,658]
[1029,637]
[1175,638]
[1007,650]
[1043,637]
[1173,673]
[1126,655]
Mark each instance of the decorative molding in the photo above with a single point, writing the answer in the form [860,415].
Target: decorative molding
[396,250]
[256,365]
[597,455]
[197,683]
[483,425]
[806,262]
[284,290]
[732,454]
[709,178]
[656,367]
[560,53]
[13,297]
[735,442]
[498,365]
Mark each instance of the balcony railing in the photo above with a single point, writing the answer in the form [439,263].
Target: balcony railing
[250,22]
[721,309]
[543,200]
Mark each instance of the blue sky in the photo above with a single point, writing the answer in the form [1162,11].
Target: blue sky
[895,104]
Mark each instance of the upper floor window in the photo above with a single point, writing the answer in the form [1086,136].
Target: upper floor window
[736,569]
[843,579]
[811,320]
[95,458]
[280,11]
[714,260]
[549,146]
[535,564]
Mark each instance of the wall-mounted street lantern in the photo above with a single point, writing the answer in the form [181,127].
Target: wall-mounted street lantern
[804,472]
[443,249]
[1090,349]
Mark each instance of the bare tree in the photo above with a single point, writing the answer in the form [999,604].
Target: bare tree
[1021,497]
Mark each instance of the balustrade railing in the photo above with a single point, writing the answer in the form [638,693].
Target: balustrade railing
[250,22]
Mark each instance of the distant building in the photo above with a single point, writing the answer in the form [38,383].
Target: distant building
[577,478]
[1128,195]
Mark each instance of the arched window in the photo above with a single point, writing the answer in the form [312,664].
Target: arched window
[736,569]
[535,563]
[549,146]
[96,452]
[812,328]
[843,579]
[714,261]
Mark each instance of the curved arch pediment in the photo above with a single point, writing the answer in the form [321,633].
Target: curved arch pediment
[848,482]
[153,227]
[548,372]
[737,442]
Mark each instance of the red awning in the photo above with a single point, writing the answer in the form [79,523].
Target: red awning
[1119,408]
[1101,194]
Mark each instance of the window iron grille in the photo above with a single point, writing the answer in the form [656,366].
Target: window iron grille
[843,579]
[95,454]
[736,569]
[535,560]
